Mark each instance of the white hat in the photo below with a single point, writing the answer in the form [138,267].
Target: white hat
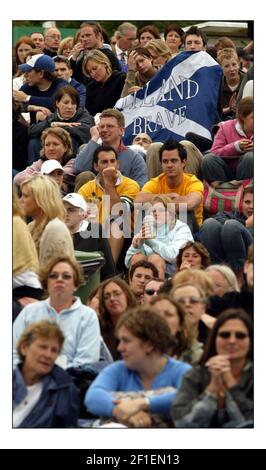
[49,166]
[76,200]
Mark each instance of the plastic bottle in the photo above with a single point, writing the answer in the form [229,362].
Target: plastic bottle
[149,223]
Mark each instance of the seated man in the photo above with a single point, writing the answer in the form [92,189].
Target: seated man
[139,274]
[110,130]
[41,85]
[180,187]
[83,232]
[113,194]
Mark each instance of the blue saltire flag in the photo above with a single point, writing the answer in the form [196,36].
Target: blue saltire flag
[182,97]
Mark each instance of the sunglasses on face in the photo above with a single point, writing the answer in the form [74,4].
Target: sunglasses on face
[64,276]
[150,291]
[192,299]
[237,334]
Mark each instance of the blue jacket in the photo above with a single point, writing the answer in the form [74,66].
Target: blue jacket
[58,406]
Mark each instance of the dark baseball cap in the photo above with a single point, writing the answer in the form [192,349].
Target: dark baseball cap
[38,61]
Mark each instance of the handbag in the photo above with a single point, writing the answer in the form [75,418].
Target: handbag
[225,197]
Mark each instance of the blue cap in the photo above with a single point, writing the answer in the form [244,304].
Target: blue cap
[38,61]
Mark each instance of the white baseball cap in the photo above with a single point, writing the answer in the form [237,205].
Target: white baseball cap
[76,200]
[50,165]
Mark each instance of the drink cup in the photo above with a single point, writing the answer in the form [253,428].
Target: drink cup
[150,227]
[92,208]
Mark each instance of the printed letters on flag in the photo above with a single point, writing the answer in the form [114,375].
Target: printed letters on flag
[182,97]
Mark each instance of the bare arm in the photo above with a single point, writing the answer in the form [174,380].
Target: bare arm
[192,200]
[144,197]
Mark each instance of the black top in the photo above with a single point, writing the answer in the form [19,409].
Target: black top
[97,244]
[77,65]
[101,96]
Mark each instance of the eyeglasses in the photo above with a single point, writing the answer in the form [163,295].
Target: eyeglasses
[228,334]
[64,276]
[150,291]
[54,36]
[192,299]
[114,294]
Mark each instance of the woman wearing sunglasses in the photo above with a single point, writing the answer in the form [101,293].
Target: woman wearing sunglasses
[79,323]
[218,393]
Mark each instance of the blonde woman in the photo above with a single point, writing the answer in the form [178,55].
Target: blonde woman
[25,266]
[105,86]
[170,235]
[66,46]
[41,200]
[159,51]
[224,279]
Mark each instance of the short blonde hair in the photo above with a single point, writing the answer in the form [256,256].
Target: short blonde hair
[196,277]
[227,273]
[226,54]
[159,47]
[64,43]
[98,57]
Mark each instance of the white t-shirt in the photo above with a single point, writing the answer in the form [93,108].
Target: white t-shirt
[26,406]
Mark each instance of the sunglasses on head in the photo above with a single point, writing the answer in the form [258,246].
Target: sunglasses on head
[64,276]
[237,334]
[150,291]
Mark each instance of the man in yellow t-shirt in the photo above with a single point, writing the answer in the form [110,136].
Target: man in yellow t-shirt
[113,195]
[181,187]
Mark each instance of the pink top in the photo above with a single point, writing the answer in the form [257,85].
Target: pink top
[35,169]
[226,141]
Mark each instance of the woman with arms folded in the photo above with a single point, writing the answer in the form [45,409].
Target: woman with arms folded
[146,369]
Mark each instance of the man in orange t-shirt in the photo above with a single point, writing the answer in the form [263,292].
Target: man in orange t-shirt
[181,187]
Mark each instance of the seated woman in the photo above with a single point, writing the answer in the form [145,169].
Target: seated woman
[25,282]
[146,374]
[159,52]
[170,235]
[193,297]
[37,381]
[105,86]
[231,155]
[224,279]
[115,297]
[147,33]
[56,145]
[140,70]
[42,201]
[173,35]
[69,115]
[61,278]
[186,347]
[193,255]
[218,393]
